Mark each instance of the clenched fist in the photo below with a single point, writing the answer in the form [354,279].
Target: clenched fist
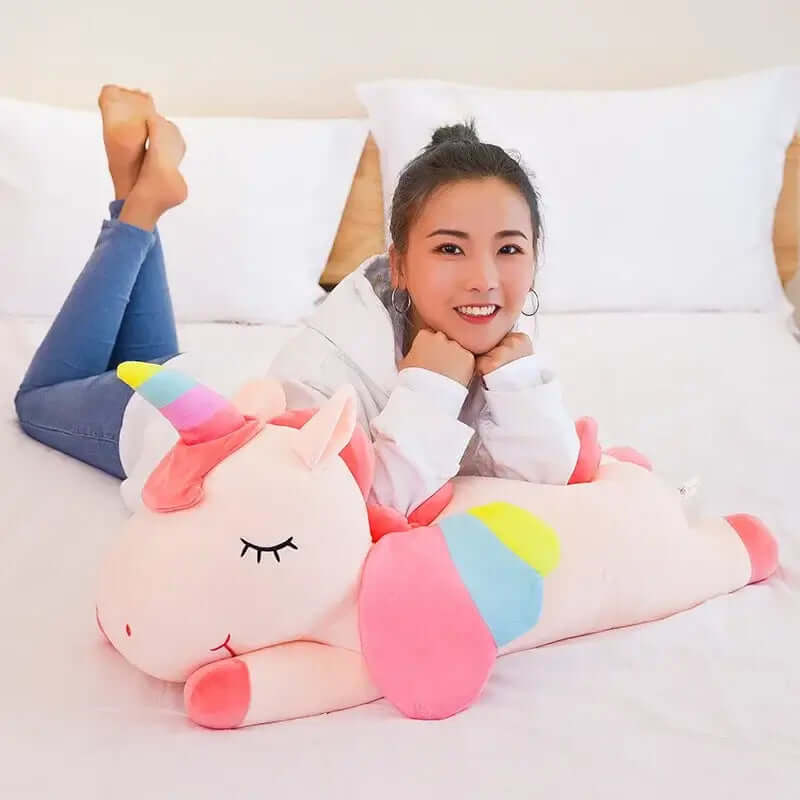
[511,348]
[434,351]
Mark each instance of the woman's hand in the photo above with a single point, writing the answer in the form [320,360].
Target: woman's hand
[513,347]
[435,352]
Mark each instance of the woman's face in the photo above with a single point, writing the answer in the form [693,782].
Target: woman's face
[469,262]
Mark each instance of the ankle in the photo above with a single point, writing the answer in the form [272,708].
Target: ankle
[140,212]
[123,184]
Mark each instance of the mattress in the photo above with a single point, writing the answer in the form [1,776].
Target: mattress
[703,704]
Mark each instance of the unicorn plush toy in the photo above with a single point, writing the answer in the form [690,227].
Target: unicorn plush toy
[258,575]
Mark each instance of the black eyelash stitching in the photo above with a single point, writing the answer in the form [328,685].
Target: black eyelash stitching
[275,549]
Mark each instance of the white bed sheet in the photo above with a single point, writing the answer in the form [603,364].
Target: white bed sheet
[704,704]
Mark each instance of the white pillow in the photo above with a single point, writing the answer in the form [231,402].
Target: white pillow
[652,200]
[265,201]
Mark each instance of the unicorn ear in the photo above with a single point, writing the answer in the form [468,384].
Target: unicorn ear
[329,431]
[261,398]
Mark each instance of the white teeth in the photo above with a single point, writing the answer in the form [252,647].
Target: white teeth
[477,311]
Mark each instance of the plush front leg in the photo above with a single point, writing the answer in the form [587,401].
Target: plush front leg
[298,679]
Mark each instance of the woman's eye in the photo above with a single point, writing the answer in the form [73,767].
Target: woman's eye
[510,249]
[275,549]
[449,249]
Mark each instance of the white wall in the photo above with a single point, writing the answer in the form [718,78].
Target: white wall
[301,57]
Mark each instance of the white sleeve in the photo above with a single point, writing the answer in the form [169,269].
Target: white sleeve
[525,427]
[418,438]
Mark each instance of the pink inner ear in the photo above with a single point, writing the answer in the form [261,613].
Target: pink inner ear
[329,431]
[358,454]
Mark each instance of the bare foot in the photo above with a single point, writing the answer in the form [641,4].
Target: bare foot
[160,185]
[124,113]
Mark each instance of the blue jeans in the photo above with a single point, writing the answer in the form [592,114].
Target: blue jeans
[119,309]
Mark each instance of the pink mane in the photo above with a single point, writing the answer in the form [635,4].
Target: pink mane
[177,482]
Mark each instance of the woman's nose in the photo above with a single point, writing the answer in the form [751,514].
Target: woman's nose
[482,275]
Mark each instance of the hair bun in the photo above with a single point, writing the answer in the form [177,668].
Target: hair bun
[461,132]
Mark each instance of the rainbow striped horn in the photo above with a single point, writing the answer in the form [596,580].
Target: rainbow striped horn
[195,411]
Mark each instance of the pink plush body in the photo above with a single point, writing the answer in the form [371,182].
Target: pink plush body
[257,595]
[638,560]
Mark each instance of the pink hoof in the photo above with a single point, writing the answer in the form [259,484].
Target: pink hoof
[760,543]
[631,456]
[218,695]
[589,453]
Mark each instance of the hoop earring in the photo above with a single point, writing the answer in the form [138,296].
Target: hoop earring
[535,298]
[394,302]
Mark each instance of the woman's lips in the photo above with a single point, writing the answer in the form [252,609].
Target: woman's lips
[480,318]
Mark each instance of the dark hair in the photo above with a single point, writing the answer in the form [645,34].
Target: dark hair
[456,153]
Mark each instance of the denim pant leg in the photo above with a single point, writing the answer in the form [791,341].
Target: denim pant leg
[81,418]
[70,397]
[147,331]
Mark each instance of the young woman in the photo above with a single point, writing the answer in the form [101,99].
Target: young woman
[426,333]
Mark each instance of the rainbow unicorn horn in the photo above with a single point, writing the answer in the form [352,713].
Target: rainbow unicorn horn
[195,411]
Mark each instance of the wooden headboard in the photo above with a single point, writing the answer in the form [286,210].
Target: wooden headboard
[361,230]
[786,232]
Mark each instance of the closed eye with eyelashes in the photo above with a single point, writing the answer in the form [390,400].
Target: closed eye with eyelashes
[274,549]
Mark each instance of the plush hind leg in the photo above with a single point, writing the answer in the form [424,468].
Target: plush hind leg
[761,546]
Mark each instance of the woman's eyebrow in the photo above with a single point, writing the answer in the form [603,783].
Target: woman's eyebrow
[449,232]
[465,235]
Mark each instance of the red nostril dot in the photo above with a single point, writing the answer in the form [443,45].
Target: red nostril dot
[128,629]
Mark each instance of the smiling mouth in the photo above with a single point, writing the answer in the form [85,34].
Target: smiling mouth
[478,314]
[226,646]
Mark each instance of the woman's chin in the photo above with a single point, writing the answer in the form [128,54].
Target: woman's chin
[478,342]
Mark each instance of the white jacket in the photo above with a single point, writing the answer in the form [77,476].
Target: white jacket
[426,428]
